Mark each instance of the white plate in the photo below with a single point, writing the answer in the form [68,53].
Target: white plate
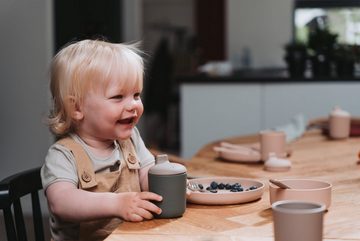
[224,197]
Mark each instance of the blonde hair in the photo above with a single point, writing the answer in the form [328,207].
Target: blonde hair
[80,67]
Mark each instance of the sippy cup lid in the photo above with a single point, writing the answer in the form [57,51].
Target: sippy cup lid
[337,111]
[164,167]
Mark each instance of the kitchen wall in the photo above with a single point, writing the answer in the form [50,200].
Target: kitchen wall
[264,27]
[26,48]
[162,17]
[25,52]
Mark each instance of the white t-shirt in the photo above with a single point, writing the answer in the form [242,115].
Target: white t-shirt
[60,165]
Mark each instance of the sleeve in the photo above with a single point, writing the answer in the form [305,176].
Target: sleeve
[144,155]
[59,166]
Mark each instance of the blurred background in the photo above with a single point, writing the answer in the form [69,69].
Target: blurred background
[178,37]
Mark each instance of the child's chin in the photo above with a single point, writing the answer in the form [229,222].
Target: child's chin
[124,135]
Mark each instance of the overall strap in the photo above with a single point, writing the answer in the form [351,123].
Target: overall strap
[128,150]
[84,165]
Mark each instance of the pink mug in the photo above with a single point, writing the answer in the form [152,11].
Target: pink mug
[339,124]
[272,142]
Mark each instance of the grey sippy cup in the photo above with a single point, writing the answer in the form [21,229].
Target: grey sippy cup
[168,180]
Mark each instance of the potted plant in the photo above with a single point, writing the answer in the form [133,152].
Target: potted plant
[321,47]
[295,58]
[345,57]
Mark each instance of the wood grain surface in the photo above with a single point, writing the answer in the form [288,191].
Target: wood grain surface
[313,156]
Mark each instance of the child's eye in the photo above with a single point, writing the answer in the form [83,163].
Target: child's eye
[117,97]
[137,95]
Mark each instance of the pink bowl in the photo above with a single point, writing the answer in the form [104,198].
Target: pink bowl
[302,190]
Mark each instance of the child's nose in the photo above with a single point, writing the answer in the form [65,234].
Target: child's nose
[131,104]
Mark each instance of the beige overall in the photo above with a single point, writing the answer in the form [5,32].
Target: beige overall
[125,179]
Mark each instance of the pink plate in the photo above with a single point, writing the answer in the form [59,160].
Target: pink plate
[225,197]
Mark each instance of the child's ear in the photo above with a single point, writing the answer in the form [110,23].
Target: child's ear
[75,109]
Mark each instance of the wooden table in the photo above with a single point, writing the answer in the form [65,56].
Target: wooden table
[314,156]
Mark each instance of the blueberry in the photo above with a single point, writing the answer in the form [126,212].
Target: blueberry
[201,186]
[214,185]
[236,187]
[240,189]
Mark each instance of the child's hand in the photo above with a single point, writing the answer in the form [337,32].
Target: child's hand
[135,206]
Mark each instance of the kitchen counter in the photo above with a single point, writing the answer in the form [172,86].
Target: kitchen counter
[216,107]
[258,76]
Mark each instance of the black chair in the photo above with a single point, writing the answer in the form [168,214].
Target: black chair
[12,189]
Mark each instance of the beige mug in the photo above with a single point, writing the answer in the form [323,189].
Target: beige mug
[298,220]
[272,142]
[339,124]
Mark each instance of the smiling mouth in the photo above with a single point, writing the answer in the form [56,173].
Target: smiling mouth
[127,120]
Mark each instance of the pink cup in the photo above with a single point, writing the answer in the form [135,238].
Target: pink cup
[272,142]
[339,124]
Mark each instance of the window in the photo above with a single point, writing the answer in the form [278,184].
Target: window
[341,17]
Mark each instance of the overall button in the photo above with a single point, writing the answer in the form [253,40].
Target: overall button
[132,159]
[85,177]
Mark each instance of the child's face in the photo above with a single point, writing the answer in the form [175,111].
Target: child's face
[111,113]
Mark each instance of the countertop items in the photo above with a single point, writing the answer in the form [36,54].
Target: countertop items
[244,153]
[226,190]
[308,190]
[275,164]
[248,153]
[339,123]
[279,183]
[294,129]
[315,157]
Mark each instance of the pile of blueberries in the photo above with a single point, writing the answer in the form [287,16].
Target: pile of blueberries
[214,187]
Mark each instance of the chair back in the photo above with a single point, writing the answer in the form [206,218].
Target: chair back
[12,189]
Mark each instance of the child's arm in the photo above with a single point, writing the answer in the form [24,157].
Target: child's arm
[72,204]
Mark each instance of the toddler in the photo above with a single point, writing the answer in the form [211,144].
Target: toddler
[95,175]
